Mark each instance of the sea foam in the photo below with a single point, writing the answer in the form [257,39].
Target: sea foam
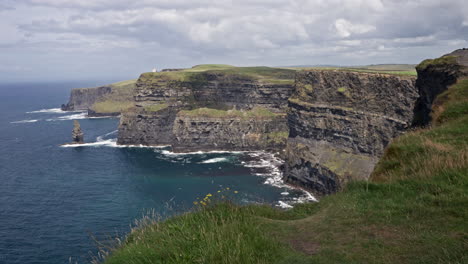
[215,160]
[24,121]
[50,111]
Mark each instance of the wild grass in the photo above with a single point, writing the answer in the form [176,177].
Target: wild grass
[120,98]
[412,210]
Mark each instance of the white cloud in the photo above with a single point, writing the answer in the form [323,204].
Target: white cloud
[186,32]
[345,28]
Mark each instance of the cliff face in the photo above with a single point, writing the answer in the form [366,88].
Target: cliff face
[235,109]
[84,98]
[141,127]
[229,133]
[340,123]
[218,89]
[434,77]
[105,100]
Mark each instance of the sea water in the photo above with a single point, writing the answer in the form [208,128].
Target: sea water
[56,200]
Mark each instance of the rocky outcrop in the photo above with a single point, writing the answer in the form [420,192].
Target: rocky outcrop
[77,134]
[340,122]
[84,98]
[434,77]
[151,128]
[246,91]
[216,89]
[229,133]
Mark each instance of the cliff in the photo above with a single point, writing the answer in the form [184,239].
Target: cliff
[210,108]
[434,77]
[340,122]
[105,100]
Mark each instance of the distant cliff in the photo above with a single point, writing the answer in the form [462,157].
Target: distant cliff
[105,100]
[340,122]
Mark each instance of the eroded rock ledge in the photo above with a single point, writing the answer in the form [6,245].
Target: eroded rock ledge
[234,109]
[340,122]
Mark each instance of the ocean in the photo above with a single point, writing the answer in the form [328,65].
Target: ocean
[55,201]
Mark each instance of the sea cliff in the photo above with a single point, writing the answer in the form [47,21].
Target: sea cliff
[340,123]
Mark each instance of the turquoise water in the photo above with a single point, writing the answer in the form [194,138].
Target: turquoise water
[54,199]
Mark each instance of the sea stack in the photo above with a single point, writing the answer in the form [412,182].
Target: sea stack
[77,134]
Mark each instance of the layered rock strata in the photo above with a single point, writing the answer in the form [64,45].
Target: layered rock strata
[84,98]
[434,77]
[340,122]
[162,98]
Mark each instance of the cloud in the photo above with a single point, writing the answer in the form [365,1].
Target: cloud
[274,32]
[344,28]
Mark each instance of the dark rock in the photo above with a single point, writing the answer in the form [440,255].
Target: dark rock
[84,98]
[77,134]
[340,122]
[434,77]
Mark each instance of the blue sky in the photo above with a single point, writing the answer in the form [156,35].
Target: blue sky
[47,40]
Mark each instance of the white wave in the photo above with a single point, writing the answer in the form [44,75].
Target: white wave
[101,138]
[269,165]
[215,160]
[284,205]
[51,111]
[107,143]
[170,153]
[24,121]
[70,117]
[81,115]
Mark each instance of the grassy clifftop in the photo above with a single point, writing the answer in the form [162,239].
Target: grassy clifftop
[120,98]
[412,210]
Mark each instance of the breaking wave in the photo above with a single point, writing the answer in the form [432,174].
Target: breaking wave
[267,165]
[50,111]
[24,121]
[215,160]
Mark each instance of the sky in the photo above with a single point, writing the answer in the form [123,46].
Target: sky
[45,40]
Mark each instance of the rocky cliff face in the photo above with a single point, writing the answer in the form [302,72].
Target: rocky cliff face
[84,98]
[340,123]
[246,102]
[434,77]
[229,133]
[218,89]
[151,128]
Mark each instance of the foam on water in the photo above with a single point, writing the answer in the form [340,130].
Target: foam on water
[70,117]
[50,111]
[170,153]
[215,160]
[24,121]
[270,164]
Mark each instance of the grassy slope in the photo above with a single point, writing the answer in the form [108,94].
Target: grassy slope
[398,69]
[413,210]
[264,74]
[120,99]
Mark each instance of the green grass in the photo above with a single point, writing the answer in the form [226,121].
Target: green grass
[110,106]
[393,69]
[155,107]
[120,99]
[414,209]
[442,61]
[263,74]
[255,113]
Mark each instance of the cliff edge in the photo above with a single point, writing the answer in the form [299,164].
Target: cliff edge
[340,122]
